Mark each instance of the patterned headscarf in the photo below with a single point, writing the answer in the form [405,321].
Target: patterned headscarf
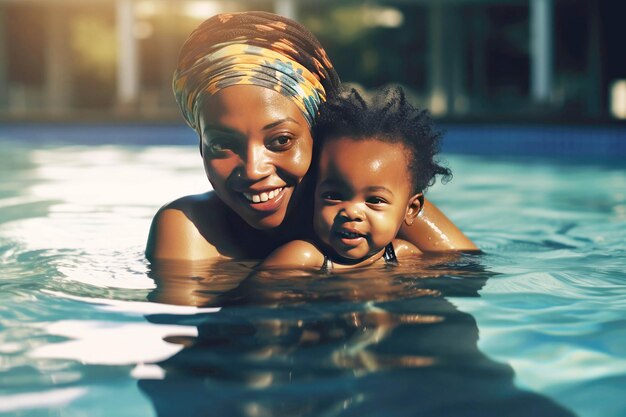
[253,48]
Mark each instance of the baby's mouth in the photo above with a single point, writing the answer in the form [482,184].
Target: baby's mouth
[264,196]
[345,234]
[349,238]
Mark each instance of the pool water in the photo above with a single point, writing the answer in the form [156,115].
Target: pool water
[534,326]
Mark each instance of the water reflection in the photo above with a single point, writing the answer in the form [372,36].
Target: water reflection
[369,342]
[199,284]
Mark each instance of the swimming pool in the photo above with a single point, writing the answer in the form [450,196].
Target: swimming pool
[534,326]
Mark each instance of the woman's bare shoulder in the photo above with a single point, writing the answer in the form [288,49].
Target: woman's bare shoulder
[294,254]
[192,202]
[182,230]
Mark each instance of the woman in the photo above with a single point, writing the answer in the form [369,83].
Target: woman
[251,84]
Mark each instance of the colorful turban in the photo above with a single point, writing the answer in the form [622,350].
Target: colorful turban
[253,48]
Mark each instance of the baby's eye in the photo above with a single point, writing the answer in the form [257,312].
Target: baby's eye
[375,200]
[331,196]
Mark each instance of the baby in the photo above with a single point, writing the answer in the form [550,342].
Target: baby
[376,160]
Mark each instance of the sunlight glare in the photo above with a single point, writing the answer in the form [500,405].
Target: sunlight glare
[618,99]
[201,9]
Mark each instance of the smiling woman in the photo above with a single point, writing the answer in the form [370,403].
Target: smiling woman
[251,85]
[256,147]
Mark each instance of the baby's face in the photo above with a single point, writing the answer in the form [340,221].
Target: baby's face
[362,195]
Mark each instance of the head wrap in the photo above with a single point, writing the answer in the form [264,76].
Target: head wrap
[253,48]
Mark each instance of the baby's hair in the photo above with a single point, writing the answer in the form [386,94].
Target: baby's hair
[387,116]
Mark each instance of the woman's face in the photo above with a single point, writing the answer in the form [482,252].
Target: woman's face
[257,147]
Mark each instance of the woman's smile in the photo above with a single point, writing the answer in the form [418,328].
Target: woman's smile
[257,148]
[263,196]
[267,201]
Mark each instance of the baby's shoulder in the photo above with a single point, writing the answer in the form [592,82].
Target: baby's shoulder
[294,254]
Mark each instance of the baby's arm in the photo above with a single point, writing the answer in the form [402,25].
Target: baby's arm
[295,254]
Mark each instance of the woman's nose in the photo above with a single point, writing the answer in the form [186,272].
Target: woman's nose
[256,163]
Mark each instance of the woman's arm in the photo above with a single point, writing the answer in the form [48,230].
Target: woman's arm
[432,231]
[405,249]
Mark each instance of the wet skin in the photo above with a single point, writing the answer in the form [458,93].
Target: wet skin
[255,140]
[363,196]
[256,147]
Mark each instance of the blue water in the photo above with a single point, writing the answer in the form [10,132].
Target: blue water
[534,326]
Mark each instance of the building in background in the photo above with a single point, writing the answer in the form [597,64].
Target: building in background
[528,59]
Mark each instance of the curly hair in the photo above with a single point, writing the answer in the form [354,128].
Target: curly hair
[388,117]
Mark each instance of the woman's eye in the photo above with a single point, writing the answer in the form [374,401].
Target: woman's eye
[219,146]
[282,142]
[216,146]
[219,143]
